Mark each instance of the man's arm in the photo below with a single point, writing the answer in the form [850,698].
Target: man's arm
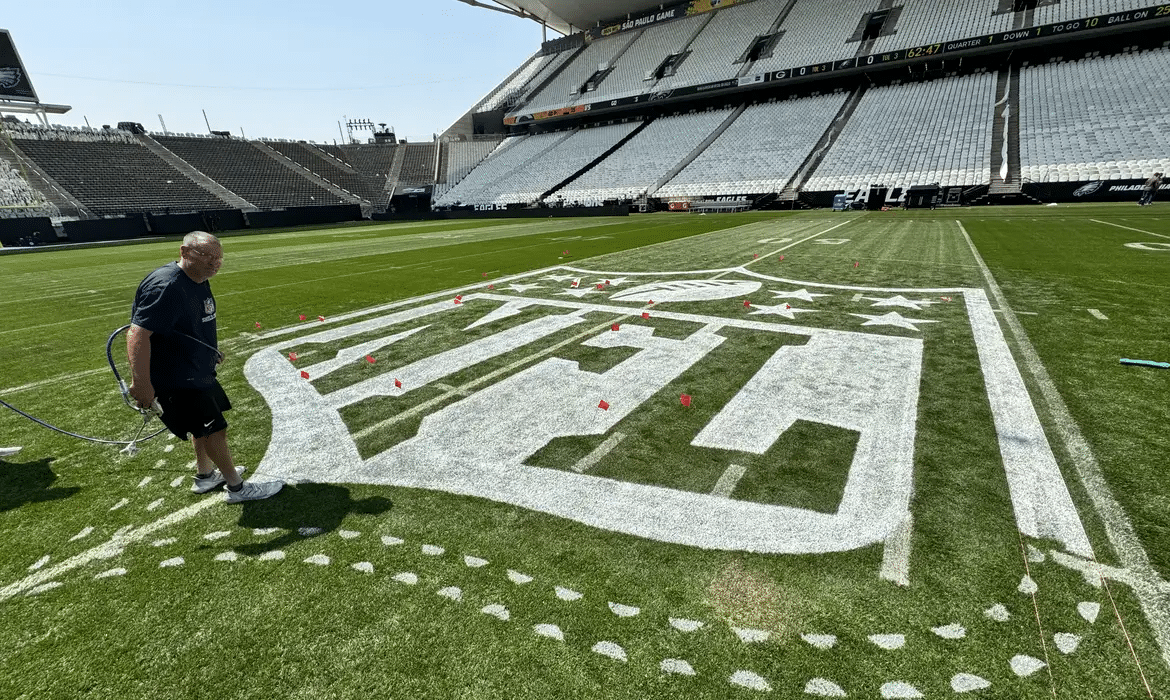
[138,350]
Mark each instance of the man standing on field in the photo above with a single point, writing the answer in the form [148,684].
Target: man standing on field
[1151,189]
[173,354]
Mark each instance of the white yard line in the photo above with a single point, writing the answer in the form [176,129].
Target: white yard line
[896,554]
[1128,228]
[1149,587]
[107,550]
[590,460]
[1098,315]
[781,249]
[53,380]
[728,481]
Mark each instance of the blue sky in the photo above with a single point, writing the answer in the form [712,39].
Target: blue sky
[278,70]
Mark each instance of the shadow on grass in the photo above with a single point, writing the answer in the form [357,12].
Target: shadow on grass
[322,507]
[29,482]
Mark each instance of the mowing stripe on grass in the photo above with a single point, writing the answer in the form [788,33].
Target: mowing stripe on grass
[1147,585]
[1128,228]
[107,550]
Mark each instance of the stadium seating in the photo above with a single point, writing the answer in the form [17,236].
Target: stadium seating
[1095,119]
[936,21]
[248,172]
[920,133]
[713,54]
[640,162]
[1066,10]
[645,55]
[815,32]
[761,151]
[330,168]
[418,165]
[18,199]
[463,156]
[563,89]
[110,172]
[510,90]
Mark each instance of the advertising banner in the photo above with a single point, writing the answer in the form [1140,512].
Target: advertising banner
[14,80]
[665,14]
[1093,191]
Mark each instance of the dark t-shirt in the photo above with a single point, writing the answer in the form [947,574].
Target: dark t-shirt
[172,307]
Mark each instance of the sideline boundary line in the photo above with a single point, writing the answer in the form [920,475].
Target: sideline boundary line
[1128,228]
[1147,584]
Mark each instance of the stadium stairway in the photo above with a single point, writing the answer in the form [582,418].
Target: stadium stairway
[49,188]
[593,163]
[308,174]
[678,168]
[229,198]
[1005,135]
[791,192]
[395,169]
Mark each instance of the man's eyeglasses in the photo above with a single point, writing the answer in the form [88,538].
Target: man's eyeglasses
[208,255]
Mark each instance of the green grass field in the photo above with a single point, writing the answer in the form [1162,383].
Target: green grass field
[487,531]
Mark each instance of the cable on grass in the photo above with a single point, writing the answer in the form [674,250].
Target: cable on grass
[1039,626]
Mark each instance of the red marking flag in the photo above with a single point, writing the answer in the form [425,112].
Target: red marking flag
[292,356]
[564,252]
[485,274]
[257,324]
[787,306]
[650,302]
[302,317]
[755,255]
[491,286]
[645,314]
[600,286]
[575,283]
[781,257]
[370,359]
[603,405]
[304,374]
[397,384]
[616,327]
[746,303]
[685,399]
[607,282]
[856,264]
[320,318]
[945,298]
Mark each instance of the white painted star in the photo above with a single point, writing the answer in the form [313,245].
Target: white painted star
[584,291]
[802,294]
[521,288]
[612,281]
[892,318]
[558,278]
[899,300]
[782,310]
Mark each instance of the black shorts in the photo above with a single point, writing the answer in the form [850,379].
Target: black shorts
[198,411]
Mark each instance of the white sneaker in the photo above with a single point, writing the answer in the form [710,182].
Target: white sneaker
[253,491]
[212,481]
[9,451]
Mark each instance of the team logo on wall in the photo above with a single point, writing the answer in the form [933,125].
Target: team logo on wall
[484,392]
[1088,189]
[9,77]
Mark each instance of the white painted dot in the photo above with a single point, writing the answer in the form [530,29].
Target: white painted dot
[497,611]
[177,481]
[899,689]
[39,563]
[1089,611]
[318,559]
[1027,585]
[363,566]
[145,480]
[624,610]
[348,534]
[569,595]
[966,682]
[309,531]
[610,649]
[685,625]
[85,531]
[119,504]
[1034,555]
[171,563]
[262,531]
[227,556]
[951,631]
[45,587]
[1066,642]
[218,535]
[169,448]
[750,636]
[406,577]
[123,530]
[1023,665]
[752,681]
[155,504]
[676,667]
[166,542]
[391,541]
[889,642]
[820,641]
[550,631]
[433,550]
[824,688]
[452,592]
[998,613]
[475,562]
[273,555]
[111,573]
[160,463]
[518,578]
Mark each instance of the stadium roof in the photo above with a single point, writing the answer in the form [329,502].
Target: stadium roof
[565,15]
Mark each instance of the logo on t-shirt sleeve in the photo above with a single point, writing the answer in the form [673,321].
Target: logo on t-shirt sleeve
[209,309]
